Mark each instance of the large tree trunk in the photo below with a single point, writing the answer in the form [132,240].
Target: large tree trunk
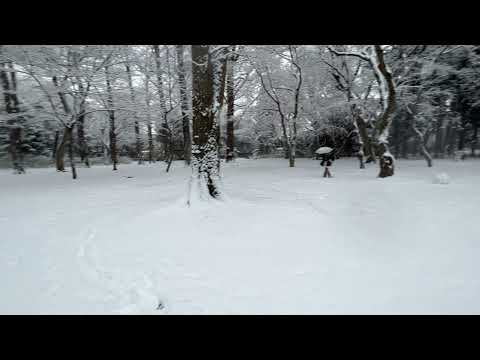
[12,106]
[205,146]
[165,129]
[365,141]
[62,148]
[55,144]
[67,131]
[383,125]
[71,158]
[182,84]
[82,143]
[105,147]
[230,142]
[298,76]
[219,71]
[138,139]
[15,149]
[111,114]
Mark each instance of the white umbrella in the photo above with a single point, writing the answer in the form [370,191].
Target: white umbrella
[324,150]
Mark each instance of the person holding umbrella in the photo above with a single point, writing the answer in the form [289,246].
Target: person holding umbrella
[327,156]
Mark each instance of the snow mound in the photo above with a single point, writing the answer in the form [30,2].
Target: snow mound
[441,178]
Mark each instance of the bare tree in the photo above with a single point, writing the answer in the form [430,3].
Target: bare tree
[374,55]
[288,119]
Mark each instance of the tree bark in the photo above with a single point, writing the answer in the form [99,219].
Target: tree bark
[205,146]
[55,144]
[165,130]
[82,143]
[67,131]
[187,141]
[12,106]
[62,147]
[383,125]
[149,120]
[219,71]
[230,143]
[111,114]
[366,142]
[71,158]
[138,139]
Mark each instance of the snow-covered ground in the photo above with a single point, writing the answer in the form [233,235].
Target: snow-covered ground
[285,241]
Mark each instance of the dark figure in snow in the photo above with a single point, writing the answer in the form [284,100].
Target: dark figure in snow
[327,160]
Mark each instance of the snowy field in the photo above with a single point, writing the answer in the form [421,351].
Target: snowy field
[285,241]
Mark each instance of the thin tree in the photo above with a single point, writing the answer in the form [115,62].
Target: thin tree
[111,115]
[138,139]
[165,131]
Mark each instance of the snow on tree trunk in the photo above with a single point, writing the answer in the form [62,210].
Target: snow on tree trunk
[165,130]
[389,104]
[151,148]
[138,139]
[182,84]
[230,143]
[111,114]
[205,176]
[218,63]
[12,107]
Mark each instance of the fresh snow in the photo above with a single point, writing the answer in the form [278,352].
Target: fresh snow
[282,241]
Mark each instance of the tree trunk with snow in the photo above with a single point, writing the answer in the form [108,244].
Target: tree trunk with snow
[230,142]
[204,147]
[12,107]
[182,85]
[62,148]
[218,62]
[138,139]
[389,105]
[71,158]
[151,147]
[67,130]
[82,143]
[165,129]
[111,115]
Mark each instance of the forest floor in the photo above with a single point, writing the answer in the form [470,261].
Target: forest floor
[285,241]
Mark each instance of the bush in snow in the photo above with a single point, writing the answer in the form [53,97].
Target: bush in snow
[441,178]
